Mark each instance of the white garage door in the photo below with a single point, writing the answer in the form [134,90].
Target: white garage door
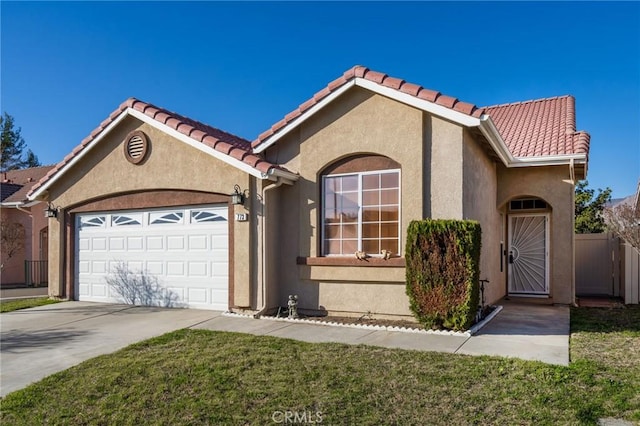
[175,257]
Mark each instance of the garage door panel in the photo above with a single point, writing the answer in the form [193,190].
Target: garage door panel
[83,244]
[99,244]
[83,267]
[175,243]
[185,255]
[98,267]
[198,242]
[83,289]
[135,243]
[197,269]
[155,267]
[99,290]
[116,244]
[155,242]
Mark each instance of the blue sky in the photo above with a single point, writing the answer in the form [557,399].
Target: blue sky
[242,66]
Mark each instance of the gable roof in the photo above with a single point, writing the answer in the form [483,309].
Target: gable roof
[378,82]
[522,134]
[17,183]
[227,147]
[540,127]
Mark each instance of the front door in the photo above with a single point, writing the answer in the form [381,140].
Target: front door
[528,254]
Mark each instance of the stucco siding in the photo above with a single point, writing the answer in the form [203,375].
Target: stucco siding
[480,187]
[553,185]
[446,178]
[359,123]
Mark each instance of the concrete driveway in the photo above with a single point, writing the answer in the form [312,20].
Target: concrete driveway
[41,341]
[38,342]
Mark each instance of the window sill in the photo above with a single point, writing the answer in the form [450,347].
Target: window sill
[394,262]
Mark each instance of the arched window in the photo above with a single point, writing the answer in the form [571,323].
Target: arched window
[361,206]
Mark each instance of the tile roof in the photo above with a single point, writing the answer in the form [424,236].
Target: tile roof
[17,183]
[359,71]
[540,127]
[226,143]
[533,128]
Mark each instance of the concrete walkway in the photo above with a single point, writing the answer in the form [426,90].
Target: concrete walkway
[525,331]
[41,341]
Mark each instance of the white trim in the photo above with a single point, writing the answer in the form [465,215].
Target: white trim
[439,110]
[547,245]
[490,131]
[302,118]
[171,132]
[550,160]
[78,157]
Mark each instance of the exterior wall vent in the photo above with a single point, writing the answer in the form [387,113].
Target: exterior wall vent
[136,147]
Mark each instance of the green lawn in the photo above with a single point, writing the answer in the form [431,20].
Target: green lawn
[15,304]
[203,377]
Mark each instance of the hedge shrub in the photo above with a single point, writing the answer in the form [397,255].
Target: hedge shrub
[443,270]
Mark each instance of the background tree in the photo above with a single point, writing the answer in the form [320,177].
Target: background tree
[624,221]
[11,240]
[589,208]
[13,145]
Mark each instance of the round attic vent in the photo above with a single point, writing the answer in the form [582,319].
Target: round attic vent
[136,147]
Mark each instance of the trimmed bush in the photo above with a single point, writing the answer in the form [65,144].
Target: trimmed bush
[443,269]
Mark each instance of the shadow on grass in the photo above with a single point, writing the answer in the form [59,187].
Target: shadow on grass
[606,320]
[16,341]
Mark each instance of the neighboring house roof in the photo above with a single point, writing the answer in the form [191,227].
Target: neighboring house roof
[17,183]
[540,132]
[7,189]
[540,127]
[225,146]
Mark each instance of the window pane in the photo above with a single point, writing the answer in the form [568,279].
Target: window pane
[389,213]
[389,180]
[330,199]
[371,198]
[370,214]
[391,245]
[349,200]
[389,230]
[349,246]
[331,216]
[371,246]
[371,230]
[332,184]
[371,181]
[389,196]
[332,246]
[350,183]
[349,216]
[350,231]
[332,231]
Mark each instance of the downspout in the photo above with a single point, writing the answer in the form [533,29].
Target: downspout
[572,171]
[263,245]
